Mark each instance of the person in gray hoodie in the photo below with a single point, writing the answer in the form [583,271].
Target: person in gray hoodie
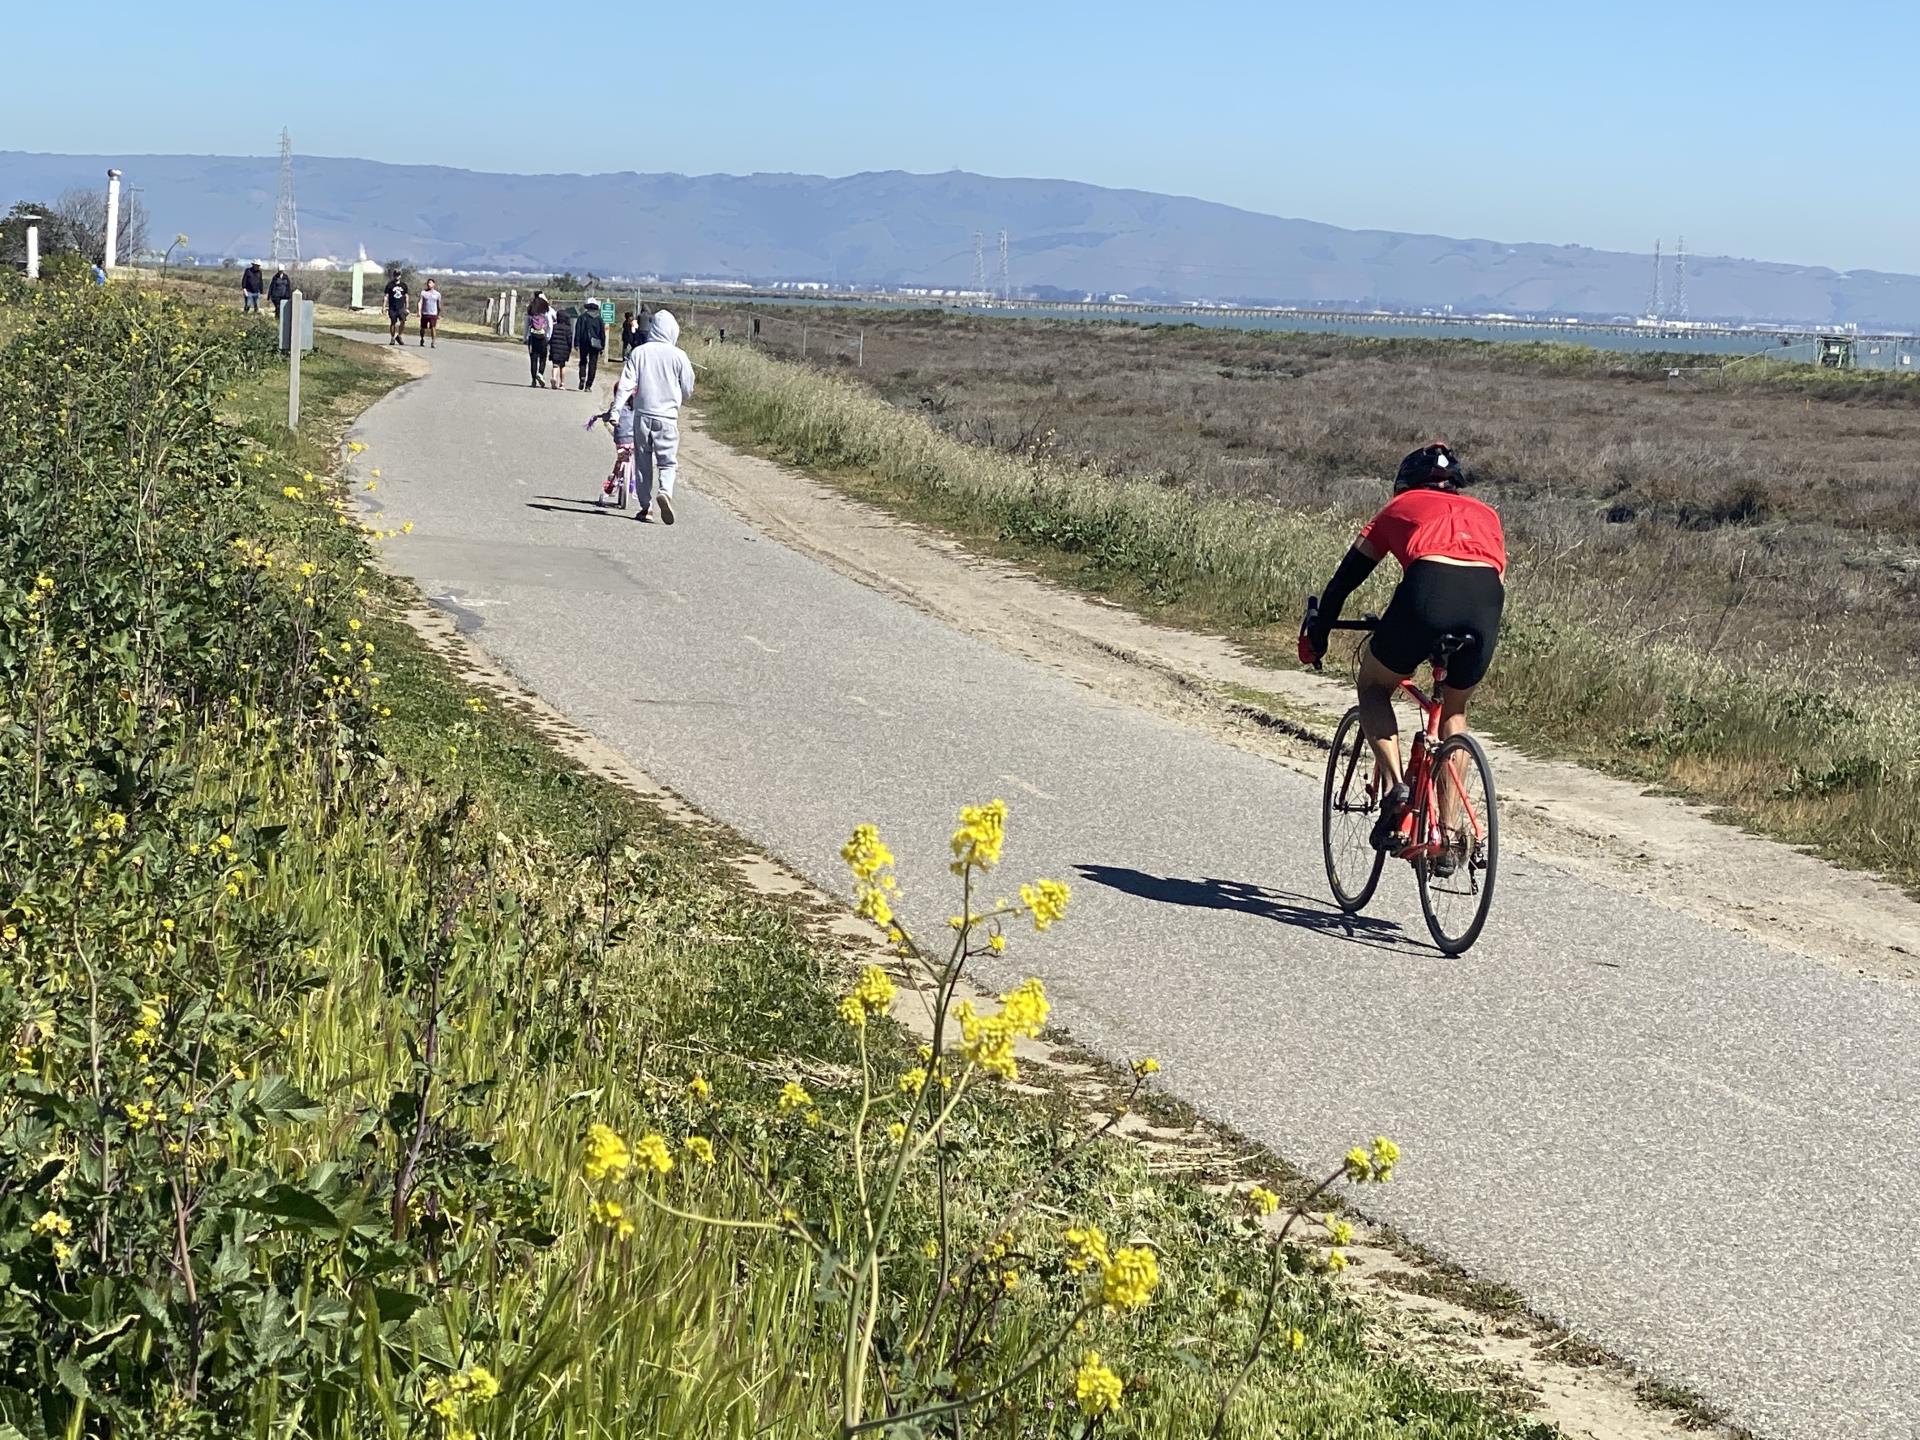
[656,380]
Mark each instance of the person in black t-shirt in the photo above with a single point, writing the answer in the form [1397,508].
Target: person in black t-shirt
[397,297]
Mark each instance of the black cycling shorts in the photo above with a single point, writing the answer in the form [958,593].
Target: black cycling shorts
[1435,599]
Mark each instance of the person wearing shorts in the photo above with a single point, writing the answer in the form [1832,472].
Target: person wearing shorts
[397,297]
[430,315]
[1453,557]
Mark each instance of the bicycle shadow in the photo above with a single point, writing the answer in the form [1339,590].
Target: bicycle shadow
[1299,911]
[565,506]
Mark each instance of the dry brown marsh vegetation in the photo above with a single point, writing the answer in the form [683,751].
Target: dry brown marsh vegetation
[1713,574]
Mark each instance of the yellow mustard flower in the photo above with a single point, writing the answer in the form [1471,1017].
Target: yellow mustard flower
[698,1088]
[1086,1249]
[1127,1282]
[865,853]
[1096,1389]
[1262,1201]
[700,1148]
[1046,901]
[652,1151]
[1144,1067]
[982,833]
[1296,1340]
[794,1096]
[607,1154]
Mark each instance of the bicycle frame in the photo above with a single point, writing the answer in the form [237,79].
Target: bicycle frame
[1419,766]
[1419,770]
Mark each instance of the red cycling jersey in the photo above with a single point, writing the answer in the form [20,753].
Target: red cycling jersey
[1438,524]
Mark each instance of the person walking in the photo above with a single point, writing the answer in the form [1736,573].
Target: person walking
[251,284]
[539,323]
[657,379]
[560,348]
[430,315]
[632,333]
[397,297]
[279,291]
[590,336]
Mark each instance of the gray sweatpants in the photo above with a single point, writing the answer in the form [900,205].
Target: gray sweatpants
[656,456]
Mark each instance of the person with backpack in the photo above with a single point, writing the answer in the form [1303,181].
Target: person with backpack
[590,335]
[560,348]
[539,326]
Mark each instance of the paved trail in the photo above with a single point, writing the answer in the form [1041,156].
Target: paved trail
[1696,1148]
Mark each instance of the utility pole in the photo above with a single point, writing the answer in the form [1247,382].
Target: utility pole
[1006,287]
[1654,297]
[286,220]
[1680,280]
[979,263]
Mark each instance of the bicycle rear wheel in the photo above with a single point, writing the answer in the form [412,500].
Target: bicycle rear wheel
[1461,814]
[1349,803]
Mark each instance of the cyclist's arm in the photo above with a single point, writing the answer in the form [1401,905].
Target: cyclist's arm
[1354,568]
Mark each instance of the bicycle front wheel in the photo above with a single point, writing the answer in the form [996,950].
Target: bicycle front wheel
[1461,815]
[1349,803]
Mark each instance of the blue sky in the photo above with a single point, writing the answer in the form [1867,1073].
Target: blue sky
[1773,130]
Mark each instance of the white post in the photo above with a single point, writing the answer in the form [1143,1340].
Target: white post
[293,366]
[513,309]
[33,252]
[113,218]
[500,313]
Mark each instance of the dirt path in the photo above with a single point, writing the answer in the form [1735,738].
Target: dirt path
[1608,831]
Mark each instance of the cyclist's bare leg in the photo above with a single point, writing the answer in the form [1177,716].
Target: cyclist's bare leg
[1377,721]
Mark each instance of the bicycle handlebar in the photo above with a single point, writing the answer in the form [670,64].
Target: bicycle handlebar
[1365,622]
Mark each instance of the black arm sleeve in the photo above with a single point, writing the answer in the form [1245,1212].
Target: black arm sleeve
[1352,572]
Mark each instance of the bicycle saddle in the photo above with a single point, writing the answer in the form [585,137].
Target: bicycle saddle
[1450,644]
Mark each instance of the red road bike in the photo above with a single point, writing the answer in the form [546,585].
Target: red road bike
[1451,834]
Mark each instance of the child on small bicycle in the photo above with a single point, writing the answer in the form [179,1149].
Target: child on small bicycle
[622,481]
[1453,556]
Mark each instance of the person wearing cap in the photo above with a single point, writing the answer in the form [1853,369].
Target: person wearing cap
[398,297]
[1453,557]
[590,339]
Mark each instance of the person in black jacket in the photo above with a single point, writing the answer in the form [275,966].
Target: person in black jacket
[560,348]
[280,291]
[590,336]
[632,333]
[251,284]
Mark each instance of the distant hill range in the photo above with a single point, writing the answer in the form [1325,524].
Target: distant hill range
[894,228]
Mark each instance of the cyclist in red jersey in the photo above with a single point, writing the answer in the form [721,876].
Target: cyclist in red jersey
[1452,555]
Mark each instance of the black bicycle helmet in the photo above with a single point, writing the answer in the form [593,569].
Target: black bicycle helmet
[1431,467]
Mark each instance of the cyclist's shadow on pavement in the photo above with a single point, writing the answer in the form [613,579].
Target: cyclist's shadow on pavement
[1257,900]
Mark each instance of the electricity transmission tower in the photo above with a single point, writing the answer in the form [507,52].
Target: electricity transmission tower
[286,221]
[1654,297]
[1680,280]
[1006,289]
[979,263]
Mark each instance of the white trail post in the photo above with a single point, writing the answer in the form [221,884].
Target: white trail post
[513,309]
[293,366]
[33,252]
[113,219]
